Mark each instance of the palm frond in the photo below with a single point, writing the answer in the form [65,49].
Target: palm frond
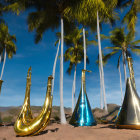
[92,42]
[56,42]
[113,48]
[135,42]
[71,66]
[104,37]
[14,7]
[108,56]
[136,51]
[7,40]
[131,17]
[135,47]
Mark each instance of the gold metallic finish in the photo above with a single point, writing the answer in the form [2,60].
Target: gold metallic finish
[131,70]
[83,76]
[128,126]
[129,116]
[1,81]
[25,124]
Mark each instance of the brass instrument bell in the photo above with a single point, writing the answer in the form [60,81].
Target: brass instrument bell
[82,115]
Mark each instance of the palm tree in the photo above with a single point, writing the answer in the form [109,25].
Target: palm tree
[101,84]
[107,8]
[50,14]
[7,44]
[132,15]
[74,12]
[14,6]
[118,66]
[123,45]
[86,13]
[54,66]
[74,54]
[105,59]
[6,40]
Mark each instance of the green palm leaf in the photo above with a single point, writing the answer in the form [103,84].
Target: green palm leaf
[136,51]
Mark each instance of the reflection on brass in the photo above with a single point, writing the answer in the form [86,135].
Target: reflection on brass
[1,81]
[131,70]
[25,124]
[116,117]
[82,115]
[129,116]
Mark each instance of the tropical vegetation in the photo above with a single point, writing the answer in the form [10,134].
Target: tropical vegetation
[75,53]
[50,14]
[7,45]
[69,16]
[124,45]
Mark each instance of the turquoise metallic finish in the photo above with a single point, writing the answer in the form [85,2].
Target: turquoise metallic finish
[82,115]
[116,117]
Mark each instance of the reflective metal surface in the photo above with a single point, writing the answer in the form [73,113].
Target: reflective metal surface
[116,117]
[129,116]
[1,81]
[25,124]
[82,115]
[131,70]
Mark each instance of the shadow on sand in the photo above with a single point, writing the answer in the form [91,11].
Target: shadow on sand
[43,132]
[112,126]
[9,124]
[48,130]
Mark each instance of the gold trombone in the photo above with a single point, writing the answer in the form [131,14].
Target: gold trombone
[25,124]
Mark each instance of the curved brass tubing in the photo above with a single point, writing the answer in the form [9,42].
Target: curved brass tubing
[25,125]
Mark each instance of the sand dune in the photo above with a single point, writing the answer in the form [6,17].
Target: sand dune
[68,132]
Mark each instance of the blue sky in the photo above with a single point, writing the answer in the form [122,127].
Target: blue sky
[41,57]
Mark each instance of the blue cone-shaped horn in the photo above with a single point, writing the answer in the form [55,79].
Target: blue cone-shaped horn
[129,117]
[82,115]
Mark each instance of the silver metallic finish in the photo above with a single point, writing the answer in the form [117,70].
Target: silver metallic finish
[131,70]
[129,116]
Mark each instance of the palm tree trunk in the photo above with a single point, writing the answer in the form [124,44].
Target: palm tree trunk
[101,89]
[121,85]
[72,97]
[75,86]
[3,64]
[84,40]
[62,113]
[100,61]
[124,65]
[73,90]
[54,66]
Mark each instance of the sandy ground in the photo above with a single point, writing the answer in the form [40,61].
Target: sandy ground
[68,132]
